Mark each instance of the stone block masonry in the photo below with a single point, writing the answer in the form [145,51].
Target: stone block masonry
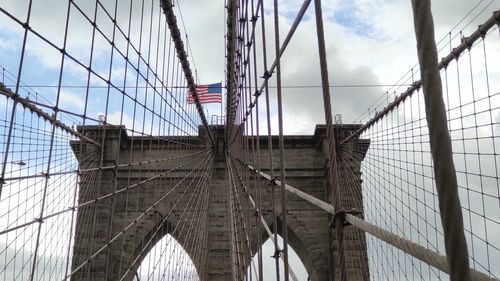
[309,230]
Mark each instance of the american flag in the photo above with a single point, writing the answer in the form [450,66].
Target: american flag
[211,93]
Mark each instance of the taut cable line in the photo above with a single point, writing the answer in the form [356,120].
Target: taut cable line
[431,257]
[179,45]
[494,20]
[440,143]
[108,173]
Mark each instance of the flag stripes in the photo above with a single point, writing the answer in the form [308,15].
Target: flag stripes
[211,93]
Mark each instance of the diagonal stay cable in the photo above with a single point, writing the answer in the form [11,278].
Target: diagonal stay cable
[110,167]
[259,213]
[430,257]
[455,53]
[181,53]
[100,198]
[268,73]
[164,220]
[126,228]
[238,206]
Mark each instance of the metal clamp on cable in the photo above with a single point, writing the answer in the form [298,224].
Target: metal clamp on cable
[277,254]
[496,15]
[341,214]
[272,182]
[266,75]
[256,213]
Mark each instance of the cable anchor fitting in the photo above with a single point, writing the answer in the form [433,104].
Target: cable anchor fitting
[277,254]
[257,213]
[272,182]
[340,214]
[266,75]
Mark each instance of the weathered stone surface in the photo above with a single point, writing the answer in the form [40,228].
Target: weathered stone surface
[309,231]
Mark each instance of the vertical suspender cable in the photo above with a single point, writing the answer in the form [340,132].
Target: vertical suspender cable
[281,142]
[51,153]
[14,105]
[333,178]
[440,142]
[258,190]
[269,138]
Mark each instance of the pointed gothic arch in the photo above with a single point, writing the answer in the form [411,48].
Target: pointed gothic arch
[307,242]
[159,262]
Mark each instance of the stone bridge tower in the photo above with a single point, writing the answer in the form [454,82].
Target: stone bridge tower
[309,231]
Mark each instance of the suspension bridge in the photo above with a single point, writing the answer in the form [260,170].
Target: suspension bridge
[109,173]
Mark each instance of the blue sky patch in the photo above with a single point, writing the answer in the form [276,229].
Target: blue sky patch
[348,17]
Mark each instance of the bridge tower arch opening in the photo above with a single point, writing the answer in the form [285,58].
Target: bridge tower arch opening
[145,209]
[168,204]
[167,259]
[269,268]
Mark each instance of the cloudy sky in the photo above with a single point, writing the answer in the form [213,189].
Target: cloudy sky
[370,46]
[367,42]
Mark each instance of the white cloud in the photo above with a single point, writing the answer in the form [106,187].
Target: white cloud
[72,100]
[119,118]
[7,45]
[378,55]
